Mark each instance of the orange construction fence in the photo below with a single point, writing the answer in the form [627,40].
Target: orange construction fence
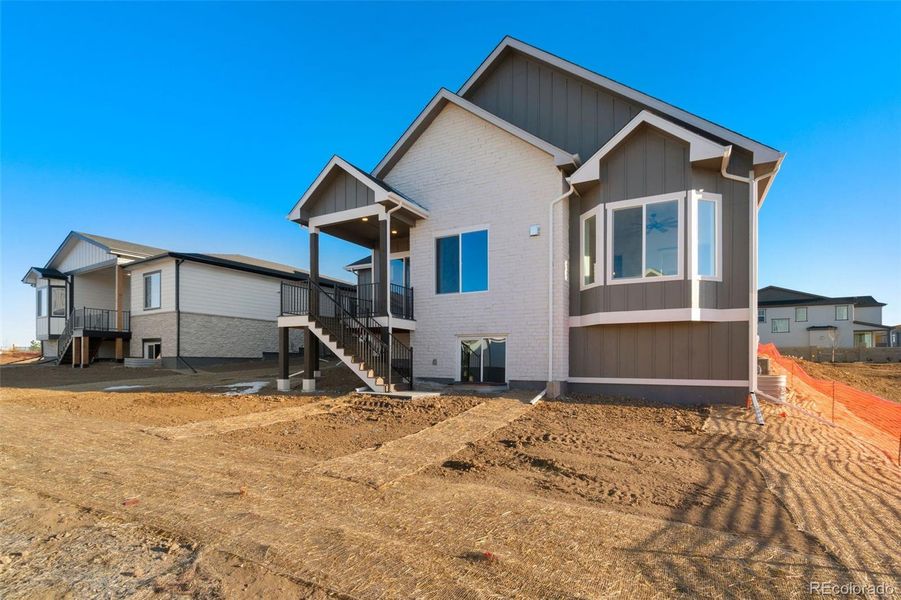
[880,413]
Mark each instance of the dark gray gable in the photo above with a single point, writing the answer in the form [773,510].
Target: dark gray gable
[340,191]
[564,110]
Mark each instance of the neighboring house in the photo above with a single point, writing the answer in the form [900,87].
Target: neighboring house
[98,297]
[793,319]
[560,230]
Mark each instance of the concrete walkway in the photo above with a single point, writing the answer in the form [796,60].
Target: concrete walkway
[402,457]
[248,421]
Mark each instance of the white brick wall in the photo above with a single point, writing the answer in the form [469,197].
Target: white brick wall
[469,173]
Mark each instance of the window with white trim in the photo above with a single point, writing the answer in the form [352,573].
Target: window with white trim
[841,312]
[645,238]
[42,296]
[761,315]
[152,290]
[779,325]
[590,248]
[708,235]
[800,314]
[461,262]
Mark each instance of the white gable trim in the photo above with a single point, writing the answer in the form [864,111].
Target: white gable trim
[443,97]
[762,153]
[700,148]
[381,194]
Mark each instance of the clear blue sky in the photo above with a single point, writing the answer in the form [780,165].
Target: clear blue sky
[196,126]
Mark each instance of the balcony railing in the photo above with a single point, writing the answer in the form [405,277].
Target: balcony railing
[363,301]
[100,319]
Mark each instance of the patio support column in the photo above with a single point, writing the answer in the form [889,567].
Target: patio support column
[76,351]
[309,379]
[313,348]
[120,317]
[383,273]
[85,351]
[283,383]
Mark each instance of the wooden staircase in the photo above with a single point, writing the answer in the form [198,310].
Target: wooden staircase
[377,357]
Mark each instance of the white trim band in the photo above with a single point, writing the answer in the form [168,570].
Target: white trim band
[711,315]
[654,381]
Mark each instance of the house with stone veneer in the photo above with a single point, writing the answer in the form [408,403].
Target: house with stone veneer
[543,227]
[103,298]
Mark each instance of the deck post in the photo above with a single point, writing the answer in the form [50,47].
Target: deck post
[85,351]
[283,383]
[313,349]
[383,268]
[76,351]
[120,301]
[309,379]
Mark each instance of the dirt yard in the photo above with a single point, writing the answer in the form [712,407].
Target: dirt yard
[8,357]
[189,485]
[881,379]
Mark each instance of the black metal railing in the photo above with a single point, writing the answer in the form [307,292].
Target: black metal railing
[100,319]
[91,319]
[341,315]
[362,301]
[64,338]
[295,298]
[401,301]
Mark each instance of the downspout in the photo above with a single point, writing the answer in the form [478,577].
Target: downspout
[752,242]
[550,279]
[178,358]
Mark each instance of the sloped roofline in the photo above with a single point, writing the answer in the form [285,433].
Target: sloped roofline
[762,153]
[440,100]
[382,190]
[236,265]
[111,248]
[700,147]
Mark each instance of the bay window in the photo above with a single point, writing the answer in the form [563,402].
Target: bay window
[645,238]
[590,247]
[42,296]
[708,235]
[461,262]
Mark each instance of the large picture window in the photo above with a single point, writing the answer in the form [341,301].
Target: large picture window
[152,290]
[461,262]
[590,248]
[57,301]
[645,239]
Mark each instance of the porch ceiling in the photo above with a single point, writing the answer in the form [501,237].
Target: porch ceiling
[366,233]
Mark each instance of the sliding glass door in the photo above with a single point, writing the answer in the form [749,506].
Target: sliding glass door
[483,360]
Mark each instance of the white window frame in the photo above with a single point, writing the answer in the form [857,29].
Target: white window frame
[696,197]
[847,312]
[144,278]
[598,213]
[612,207]
[806,314]
[763,312]
[459,233]
[42,304]
[788,324]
